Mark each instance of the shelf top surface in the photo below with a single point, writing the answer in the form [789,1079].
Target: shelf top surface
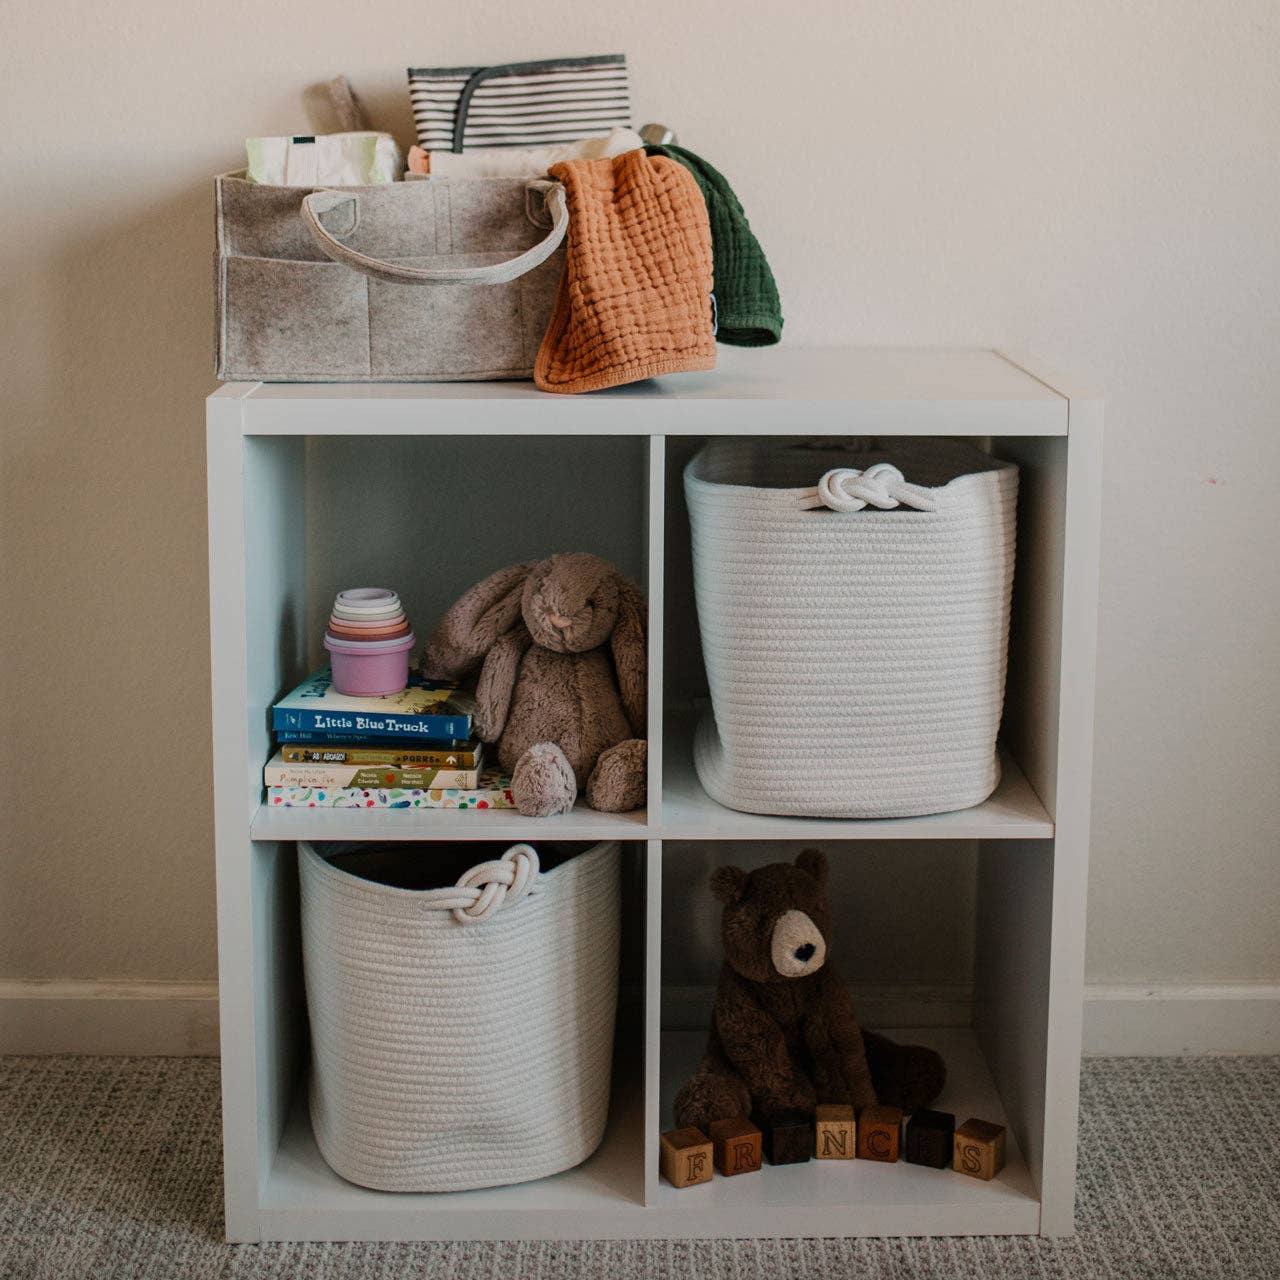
[892,390]
[1013,811]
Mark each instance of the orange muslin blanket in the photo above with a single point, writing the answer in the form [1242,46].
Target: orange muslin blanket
[635,297]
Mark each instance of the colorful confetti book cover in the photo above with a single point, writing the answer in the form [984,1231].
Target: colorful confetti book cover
[494,792]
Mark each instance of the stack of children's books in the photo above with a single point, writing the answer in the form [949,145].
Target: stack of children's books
[408,750]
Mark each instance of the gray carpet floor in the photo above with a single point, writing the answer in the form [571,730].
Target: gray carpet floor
[111,1167]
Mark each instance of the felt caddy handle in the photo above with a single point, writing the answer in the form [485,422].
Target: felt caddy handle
[319,203]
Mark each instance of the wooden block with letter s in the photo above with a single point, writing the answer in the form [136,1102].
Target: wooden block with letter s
[979,1149]
[835,1132]
[684,1157]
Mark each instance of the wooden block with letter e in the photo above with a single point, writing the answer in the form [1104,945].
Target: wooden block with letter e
[788,1137]
[684,1157]
[738,1146]
[835,1132]
[979,1149]
[930,1138]
[879,1133]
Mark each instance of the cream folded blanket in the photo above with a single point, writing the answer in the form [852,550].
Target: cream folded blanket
[519,162]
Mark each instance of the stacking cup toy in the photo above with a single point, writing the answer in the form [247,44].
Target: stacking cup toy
[369,640]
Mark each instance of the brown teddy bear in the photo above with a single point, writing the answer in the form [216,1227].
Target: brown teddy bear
[785,1034]
[560,648]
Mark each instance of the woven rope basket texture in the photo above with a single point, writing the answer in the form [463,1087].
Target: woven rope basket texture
[856,658]
[450,1055]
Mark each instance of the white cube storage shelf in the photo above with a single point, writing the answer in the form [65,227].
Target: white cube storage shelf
[425,487]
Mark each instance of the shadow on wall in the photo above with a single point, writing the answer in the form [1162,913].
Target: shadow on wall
[104,560]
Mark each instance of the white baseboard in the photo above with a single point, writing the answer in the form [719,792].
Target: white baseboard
[166,1019]
[1123,1020]
[1169,1020]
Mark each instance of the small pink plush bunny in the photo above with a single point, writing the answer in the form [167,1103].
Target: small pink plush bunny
[566,711]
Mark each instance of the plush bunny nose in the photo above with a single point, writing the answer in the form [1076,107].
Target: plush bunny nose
[558,620]
[805,953]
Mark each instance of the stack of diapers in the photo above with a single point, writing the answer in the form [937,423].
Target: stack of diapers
[357,159]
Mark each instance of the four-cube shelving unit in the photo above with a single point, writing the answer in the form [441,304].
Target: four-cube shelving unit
[427,487]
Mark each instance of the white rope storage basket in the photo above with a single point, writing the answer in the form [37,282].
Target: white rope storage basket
[854,609]
[461,1037]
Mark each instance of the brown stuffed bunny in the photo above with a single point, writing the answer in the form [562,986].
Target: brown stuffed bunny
[785,1034]
[565,711]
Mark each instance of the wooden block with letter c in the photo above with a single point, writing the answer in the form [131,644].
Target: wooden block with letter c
[879,1133]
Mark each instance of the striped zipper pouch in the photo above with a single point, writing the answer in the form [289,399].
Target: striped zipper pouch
[522,104]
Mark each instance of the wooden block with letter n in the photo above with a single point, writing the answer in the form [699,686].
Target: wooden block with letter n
[835,1131]
[930,1138]
[879,1133]
[788,1137]
[979,1149]
[684,1157]
[738,1146]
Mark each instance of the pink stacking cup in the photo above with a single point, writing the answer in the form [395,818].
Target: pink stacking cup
[369,668]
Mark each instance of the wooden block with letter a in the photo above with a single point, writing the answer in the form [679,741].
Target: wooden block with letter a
[979,1149]
[879,1133]
[788,1137]
[835,1132]
[737,1144]
[684,1157]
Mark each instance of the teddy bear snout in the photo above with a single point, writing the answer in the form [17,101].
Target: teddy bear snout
[798,947]
[559,620]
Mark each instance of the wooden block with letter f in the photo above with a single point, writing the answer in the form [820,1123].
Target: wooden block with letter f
[684,1157]
[835,1132]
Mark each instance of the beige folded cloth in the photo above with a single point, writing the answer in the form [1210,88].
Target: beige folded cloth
[519,162]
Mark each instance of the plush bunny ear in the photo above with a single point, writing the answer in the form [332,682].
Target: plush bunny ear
[728,884]
[475,623]
[630,658]
[813,861]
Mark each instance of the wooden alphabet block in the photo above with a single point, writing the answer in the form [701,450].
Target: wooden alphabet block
[684,1157]
[835,1132]
[979,1149]
[930,1138]
[788,1137]
[738,1146]
[879,1133]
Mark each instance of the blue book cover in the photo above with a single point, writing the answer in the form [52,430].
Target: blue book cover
[428,710]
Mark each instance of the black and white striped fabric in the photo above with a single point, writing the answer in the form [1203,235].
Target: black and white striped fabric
[525,104]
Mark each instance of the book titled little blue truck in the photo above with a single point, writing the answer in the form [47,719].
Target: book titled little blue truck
[429,710]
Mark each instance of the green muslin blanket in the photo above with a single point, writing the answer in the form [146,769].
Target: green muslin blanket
[748,309]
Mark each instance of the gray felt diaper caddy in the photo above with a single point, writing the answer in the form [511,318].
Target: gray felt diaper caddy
[449,280]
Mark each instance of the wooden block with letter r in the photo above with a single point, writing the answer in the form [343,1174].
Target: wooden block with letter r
[737,1144]
[835,1132]
[879,1133]
[979,1149]
[684,1157]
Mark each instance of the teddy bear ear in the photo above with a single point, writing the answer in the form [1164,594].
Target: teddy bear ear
[728,884]
[814,862]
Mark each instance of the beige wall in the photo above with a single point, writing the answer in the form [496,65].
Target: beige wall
[1093,183]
